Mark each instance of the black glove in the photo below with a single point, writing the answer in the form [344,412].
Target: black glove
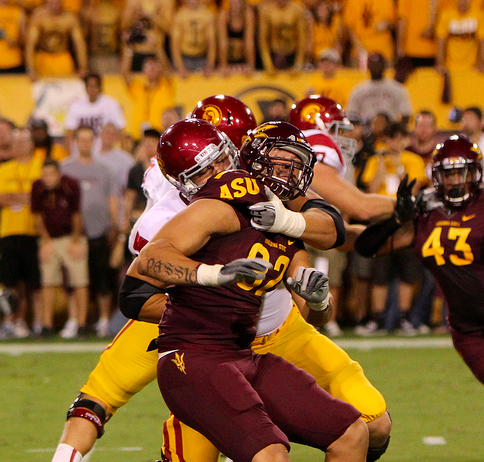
[406,208]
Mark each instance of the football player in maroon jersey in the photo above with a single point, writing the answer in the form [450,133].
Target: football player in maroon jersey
[446,227]
[216,267]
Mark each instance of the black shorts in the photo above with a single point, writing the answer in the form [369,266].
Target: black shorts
[99,270]
[403,264]
[19,261]
[243,402]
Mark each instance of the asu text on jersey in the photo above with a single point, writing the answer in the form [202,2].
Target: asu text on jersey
[227,315]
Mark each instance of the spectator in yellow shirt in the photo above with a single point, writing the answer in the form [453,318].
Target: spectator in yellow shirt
[47,47]
[326,30]
[282,35]
[370,24]
[193,39]
[326,82]
[460,37]
[152,93]
[416,45]
[13,30]
[383,173]
[19,265]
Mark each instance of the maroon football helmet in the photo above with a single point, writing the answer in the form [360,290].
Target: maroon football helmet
[256,159]
[228,114]
[457,162]
[320,112]
[188,147]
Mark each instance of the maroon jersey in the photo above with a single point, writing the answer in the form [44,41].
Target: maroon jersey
[56,206]
[227,316]
[451,246]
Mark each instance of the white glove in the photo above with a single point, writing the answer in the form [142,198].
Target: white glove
[313,286]
[247,270]
[272,216]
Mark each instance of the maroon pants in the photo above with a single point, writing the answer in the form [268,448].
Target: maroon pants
[471,348]
[243,402]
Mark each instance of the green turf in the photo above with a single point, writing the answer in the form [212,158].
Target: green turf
[429,391]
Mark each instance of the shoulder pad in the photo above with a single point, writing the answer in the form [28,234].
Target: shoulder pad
[233,187]
[427,200]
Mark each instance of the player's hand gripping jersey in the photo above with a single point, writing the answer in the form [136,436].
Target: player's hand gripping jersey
[227,315]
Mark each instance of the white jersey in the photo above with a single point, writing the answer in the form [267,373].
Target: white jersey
[155,185]
[326,149]
[276,305]
[104,110]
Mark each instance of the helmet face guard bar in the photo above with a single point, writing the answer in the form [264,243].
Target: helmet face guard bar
[335,129]
[456,194]
[300,172]
[204,159]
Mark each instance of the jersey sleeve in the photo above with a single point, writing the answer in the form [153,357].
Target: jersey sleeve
[236,187]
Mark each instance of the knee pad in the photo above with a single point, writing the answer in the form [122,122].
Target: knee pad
[375,453]
[90,410]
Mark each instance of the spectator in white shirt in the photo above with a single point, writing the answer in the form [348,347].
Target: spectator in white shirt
[93,110]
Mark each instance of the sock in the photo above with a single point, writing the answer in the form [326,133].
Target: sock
[66,453]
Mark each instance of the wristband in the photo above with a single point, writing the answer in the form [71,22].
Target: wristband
[207,275]
[321,306]
[293,225]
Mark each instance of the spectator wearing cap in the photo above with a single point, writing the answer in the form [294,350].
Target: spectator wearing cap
[379,94]
[370,24]
[326,81]
[46,147]
[471,125]
[326,30]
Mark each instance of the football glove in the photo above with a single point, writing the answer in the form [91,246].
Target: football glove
[406,208]
[247,270]
[313,286]
[273,217]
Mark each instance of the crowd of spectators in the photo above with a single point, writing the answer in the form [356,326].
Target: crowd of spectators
[67,205]
[60,37]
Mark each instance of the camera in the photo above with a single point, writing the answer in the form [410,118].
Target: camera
[137,32]
[455,115]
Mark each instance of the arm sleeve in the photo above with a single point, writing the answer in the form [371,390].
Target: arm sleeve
[374,236]
[321,204]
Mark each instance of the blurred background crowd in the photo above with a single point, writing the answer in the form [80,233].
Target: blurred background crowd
[70,193]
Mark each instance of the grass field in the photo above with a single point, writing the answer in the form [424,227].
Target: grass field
[429,391]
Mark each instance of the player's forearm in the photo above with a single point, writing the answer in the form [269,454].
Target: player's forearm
[320,231]
[375,207]
[163,262]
